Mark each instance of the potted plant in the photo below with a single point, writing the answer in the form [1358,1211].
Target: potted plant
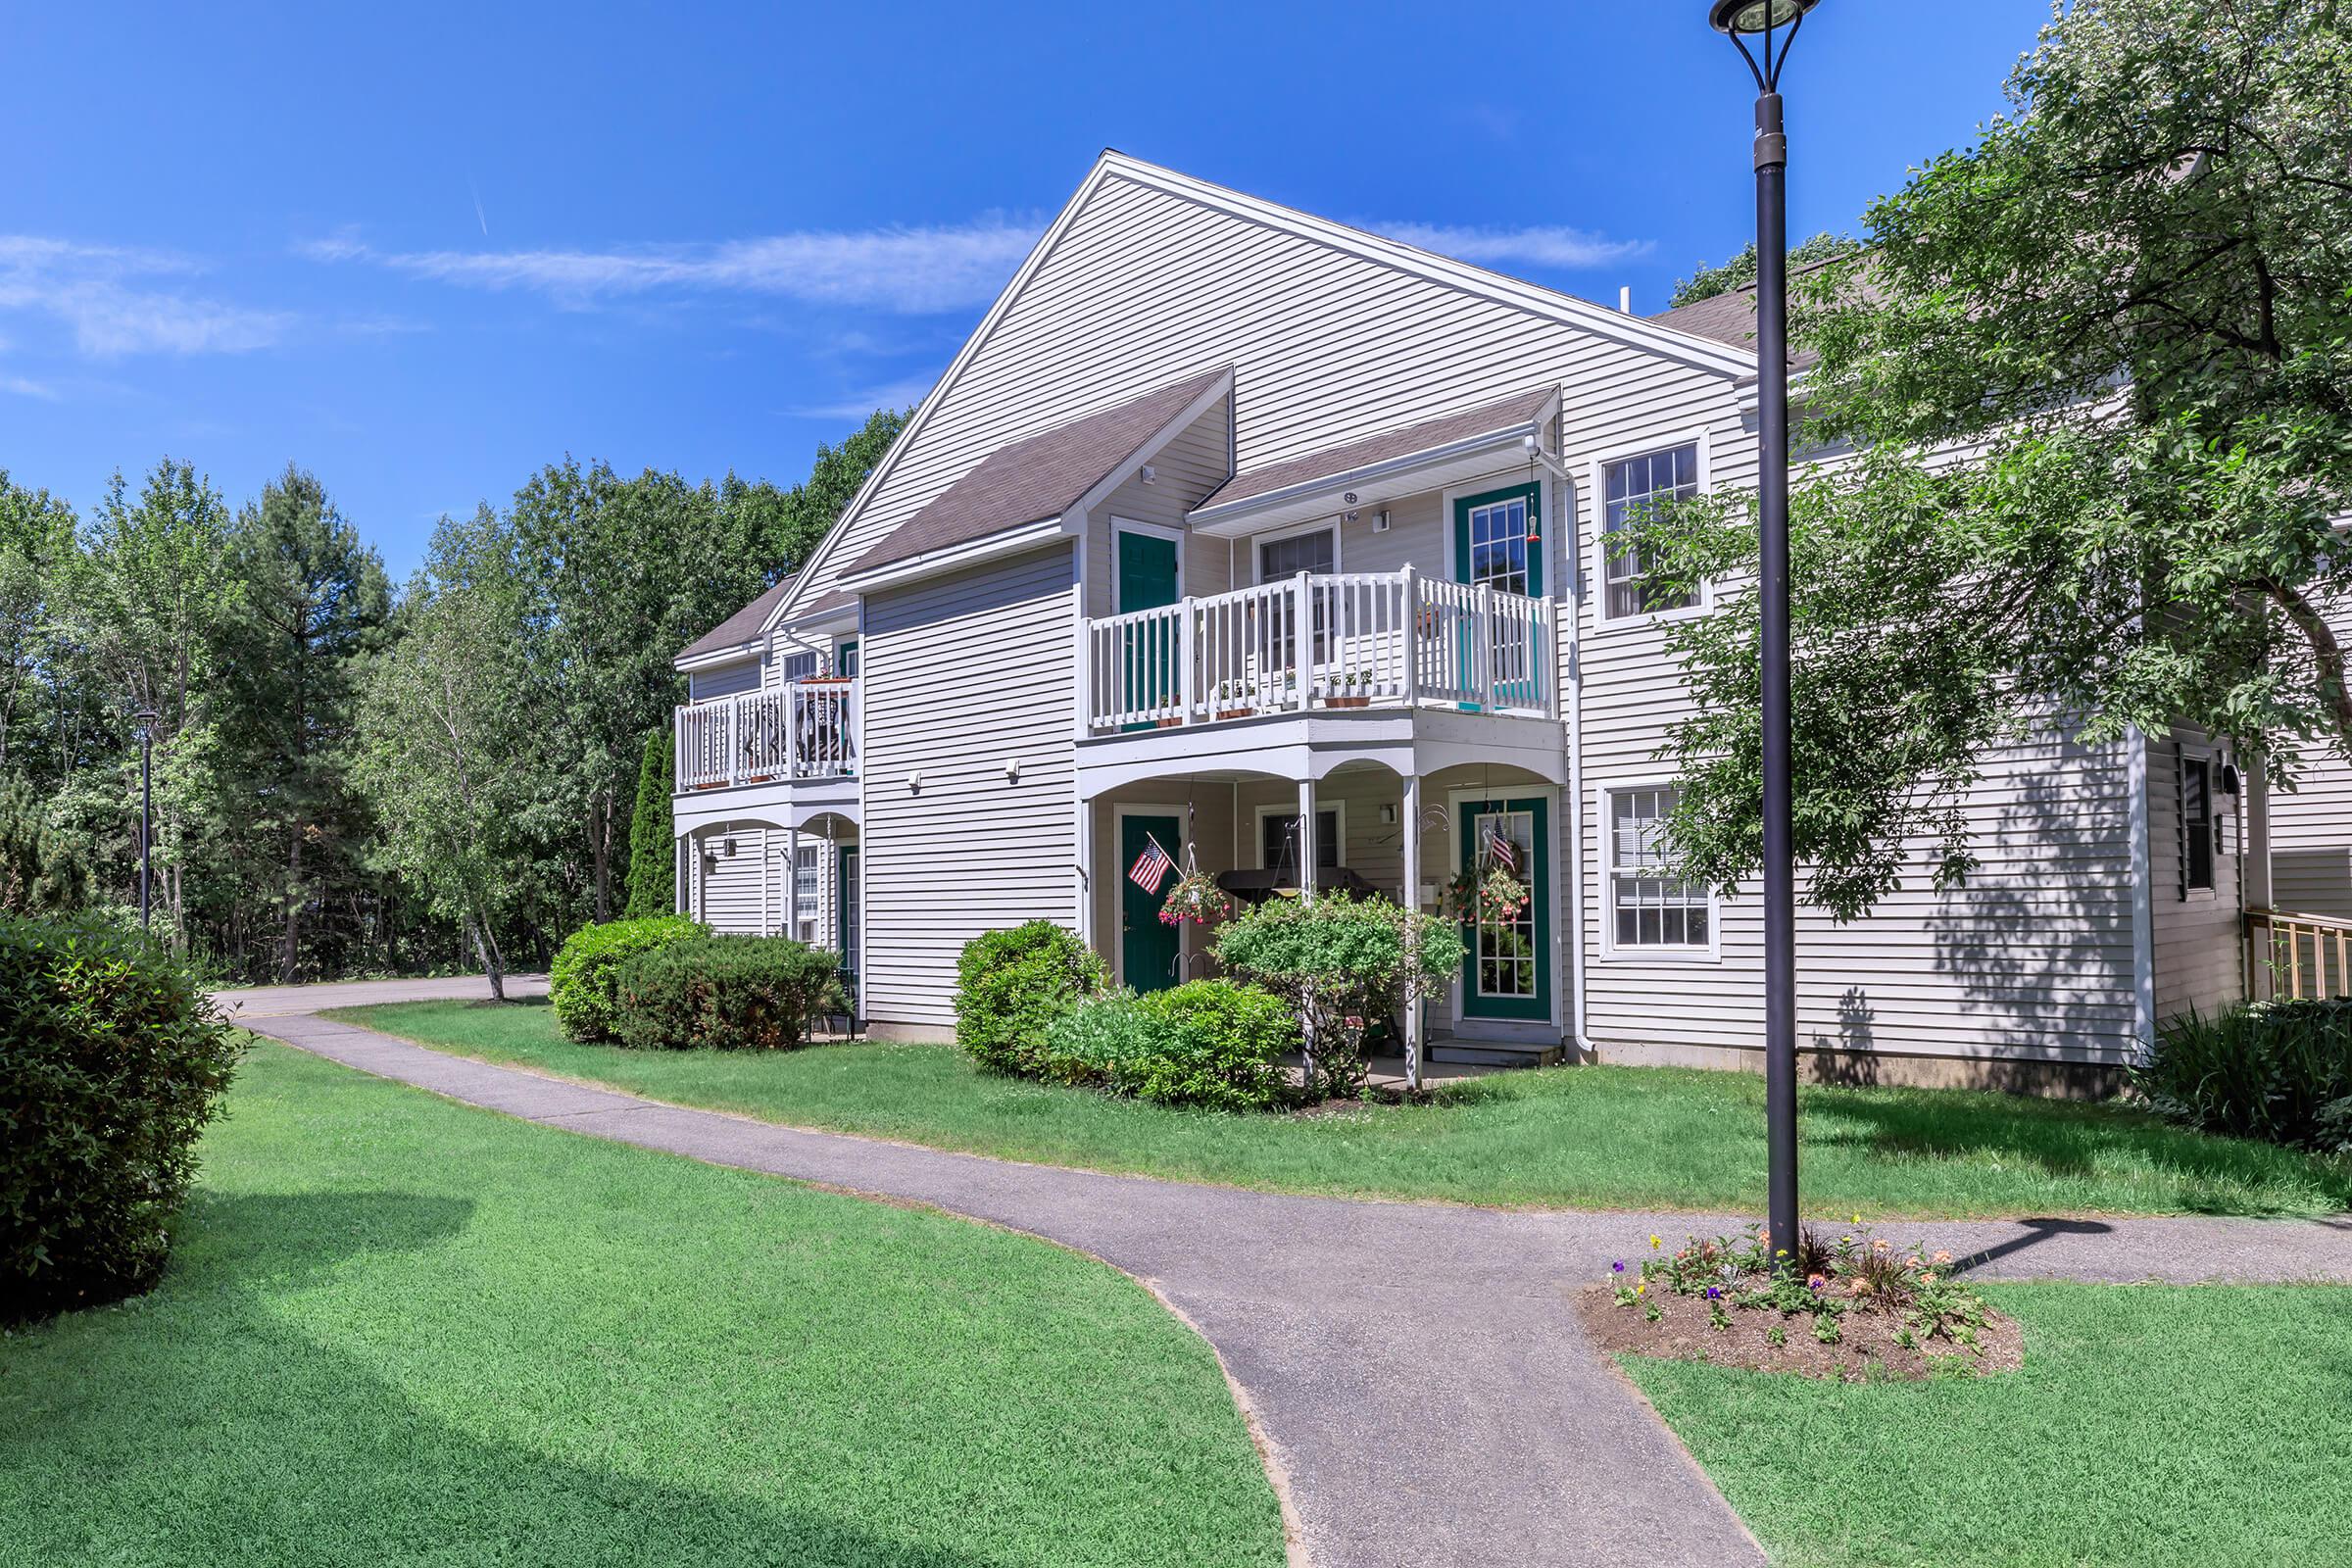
[1228,705]
[1489,896]
[1196,898]
[1352,685]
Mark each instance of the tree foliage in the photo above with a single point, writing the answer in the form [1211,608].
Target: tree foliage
[2084,412]
[653,882]
[1740,272]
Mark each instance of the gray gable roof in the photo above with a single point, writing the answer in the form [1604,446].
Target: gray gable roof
[1401,441]
[1037,477]
[741,627]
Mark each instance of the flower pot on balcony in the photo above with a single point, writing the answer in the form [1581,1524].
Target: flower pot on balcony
[1347,701]
[1167,724]
[1224,713]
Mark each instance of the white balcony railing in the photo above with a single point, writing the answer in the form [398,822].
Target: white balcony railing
[804,730]
[1349,640]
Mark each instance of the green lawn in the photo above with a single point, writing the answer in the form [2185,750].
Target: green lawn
[2151,1426]
[402,1331]
[1584,1137]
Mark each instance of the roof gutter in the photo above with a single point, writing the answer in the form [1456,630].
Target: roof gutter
[1232,513]
[954,558]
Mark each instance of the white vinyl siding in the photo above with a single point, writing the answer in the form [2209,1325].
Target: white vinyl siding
[724,680]
[1182,475]
[2199,934]
[962,676]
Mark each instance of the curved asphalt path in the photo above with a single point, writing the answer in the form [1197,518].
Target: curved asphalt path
[1415,1369]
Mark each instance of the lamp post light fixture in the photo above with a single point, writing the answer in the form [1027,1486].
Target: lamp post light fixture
[1774,24]
[145,718]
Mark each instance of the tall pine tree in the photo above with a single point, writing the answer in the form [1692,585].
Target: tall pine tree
[652,889]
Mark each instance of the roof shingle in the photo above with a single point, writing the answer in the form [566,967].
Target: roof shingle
[1037,478]
[741,627]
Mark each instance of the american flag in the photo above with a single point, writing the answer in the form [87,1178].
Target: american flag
[1501,850]
[1151,867]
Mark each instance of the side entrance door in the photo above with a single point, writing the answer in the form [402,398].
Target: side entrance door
[846,919]
[1507,972]
[1497,543]
[1146,580]
[1148,946]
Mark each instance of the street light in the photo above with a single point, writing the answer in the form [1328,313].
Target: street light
[1773,22]
[145,718]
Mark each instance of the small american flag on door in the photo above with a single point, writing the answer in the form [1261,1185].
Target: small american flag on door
[1501,850]
[1151,867]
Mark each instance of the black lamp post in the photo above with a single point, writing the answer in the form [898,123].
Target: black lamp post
[1774,24]
[145,717]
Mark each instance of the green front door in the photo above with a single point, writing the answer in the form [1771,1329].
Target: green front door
[1497,543]
[1147,945]
[1508,970]
[1147,581]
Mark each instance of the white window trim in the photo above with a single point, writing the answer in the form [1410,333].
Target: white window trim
[1120,812]
[1156,530]
[1330,526]
[1549,498]
[1291,808]
[2183,753]
[1596,479]
[1611,951]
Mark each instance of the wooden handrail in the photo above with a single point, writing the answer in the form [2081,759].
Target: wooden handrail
[2279,958]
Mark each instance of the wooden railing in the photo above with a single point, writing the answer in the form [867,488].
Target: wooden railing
[1345,640]
[2300,955]
[804,730]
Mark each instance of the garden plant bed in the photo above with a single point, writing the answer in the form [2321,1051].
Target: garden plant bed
[1866,1350]
[1853,1308]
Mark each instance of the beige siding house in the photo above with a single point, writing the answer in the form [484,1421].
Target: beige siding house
[1281,545]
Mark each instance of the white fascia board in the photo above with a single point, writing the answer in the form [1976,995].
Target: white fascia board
[954,558]
[1705,353]
[1152,448]
[1238,517]
[749,648]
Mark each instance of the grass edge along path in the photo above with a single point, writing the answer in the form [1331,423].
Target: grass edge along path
[1590,1138]
[401,1328]
[2159,1426]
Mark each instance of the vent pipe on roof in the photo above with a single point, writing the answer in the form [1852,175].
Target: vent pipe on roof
[1625,300]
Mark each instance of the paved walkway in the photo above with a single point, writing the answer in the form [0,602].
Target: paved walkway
[1415,1368]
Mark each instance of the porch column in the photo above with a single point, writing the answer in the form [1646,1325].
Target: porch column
[1412,902]
[1307,840]
[678,894]
[1085,870]
[766,883]
[792,881]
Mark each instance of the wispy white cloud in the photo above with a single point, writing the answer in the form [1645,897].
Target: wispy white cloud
[110,297]
[902,394]
[913,271]
[1544,245]
[26,387]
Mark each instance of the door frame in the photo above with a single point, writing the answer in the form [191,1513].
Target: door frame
[1455,821]
[1121,810]
[1540,560]
[848,908]
[1155,530]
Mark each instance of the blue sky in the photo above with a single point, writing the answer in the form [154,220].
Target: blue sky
[423,251]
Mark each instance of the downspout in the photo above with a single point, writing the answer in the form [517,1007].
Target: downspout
[1571,602]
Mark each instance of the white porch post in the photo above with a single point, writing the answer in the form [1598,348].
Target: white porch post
[766,878]
[680,893]
[1412,902]
[1302,642]
[1307,840]
[1085,870]
[792,881]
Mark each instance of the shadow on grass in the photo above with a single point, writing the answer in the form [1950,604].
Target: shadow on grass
[197,1427]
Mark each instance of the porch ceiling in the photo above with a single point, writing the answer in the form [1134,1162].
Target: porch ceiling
[1318,743]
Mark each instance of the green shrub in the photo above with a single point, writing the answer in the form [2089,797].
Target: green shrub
[111,1063]
[2275,1070]
[721,994]
[1211,1044]
[1010,987]
[1342,965]
[580,985]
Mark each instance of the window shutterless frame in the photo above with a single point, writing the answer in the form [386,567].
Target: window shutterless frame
[1598,562]
[1612,871]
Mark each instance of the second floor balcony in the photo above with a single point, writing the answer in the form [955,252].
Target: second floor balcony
[1390,640]
[805,729]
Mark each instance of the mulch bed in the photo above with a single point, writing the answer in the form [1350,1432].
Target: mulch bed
[1865,1350]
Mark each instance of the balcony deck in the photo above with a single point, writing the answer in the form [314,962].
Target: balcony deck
[803,731]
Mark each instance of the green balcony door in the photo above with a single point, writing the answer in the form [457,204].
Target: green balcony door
[1146,580]
[1497,543]
[1148,947]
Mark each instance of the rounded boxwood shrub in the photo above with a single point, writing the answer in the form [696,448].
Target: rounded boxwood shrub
[112,1061]
[721,994]
[580,984]
[1010,987]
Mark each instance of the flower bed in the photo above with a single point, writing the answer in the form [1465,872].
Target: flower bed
[1855,1308]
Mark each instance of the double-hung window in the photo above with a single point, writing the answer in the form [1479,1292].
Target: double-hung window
[1630,488]
[1648,907]
[805,891]
[2196,823]
[1315,552]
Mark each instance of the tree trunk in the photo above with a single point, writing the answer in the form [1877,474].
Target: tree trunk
[292,936]
[600,850]
[485,948]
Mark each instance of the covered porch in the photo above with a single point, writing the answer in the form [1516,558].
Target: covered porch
[785,865]
[1344,819]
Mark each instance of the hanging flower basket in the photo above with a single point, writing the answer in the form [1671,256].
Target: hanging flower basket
[1490,896]
[1196,898]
